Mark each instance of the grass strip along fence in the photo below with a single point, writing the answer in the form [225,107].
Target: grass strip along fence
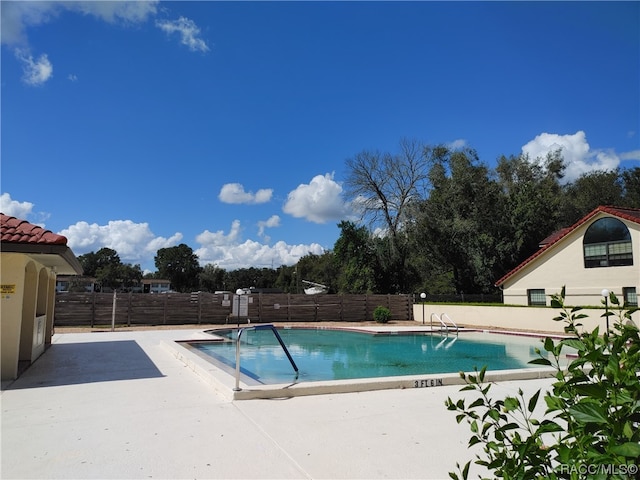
[91,309]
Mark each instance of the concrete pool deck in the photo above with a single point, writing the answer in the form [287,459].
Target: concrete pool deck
[120,405]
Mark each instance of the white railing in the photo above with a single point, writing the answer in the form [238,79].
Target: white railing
[260,327]
[445,326]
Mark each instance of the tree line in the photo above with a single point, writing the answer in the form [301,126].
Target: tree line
[433,219]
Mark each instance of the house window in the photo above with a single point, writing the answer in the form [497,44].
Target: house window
[630,296]
[607,243]
[536,296]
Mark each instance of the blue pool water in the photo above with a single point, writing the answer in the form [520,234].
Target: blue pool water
[325,354]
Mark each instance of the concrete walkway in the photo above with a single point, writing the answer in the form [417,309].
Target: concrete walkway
[118,405]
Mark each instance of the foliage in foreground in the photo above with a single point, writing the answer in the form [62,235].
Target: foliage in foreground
[590,427]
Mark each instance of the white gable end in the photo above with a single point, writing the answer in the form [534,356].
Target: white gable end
[563,264]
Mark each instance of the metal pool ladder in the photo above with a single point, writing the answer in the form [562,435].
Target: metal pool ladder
[259,327]
[441,318]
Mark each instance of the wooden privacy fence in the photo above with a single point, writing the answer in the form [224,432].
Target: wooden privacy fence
[90,309]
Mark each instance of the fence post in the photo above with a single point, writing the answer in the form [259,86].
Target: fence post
[261,300]
[366,307]
[199,308]
[164,312]
[113,313]
[93,308]
[259,307]
[410,308]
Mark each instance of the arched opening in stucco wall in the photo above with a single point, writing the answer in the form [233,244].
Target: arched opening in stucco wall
[30,289]
[43,285]
[40,320]
[51,303]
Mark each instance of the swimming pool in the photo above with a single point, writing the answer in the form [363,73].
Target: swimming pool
[329,354]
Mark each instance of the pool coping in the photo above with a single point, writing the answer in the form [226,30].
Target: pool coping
[224,382]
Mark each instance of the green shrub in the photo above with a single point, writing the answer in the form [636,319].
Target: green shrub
[590,427]
[381,314]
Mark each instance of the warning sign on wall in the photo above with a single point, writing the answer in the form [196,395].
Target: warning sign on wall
[7,288]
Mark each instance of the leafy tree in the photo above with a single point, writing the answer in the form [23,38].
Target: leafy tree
[251,277]
[319,269]
[383,185]
[590,425]
[433,274]
[265,277]
[104,265]
[80,285]
[392,274]
[591,190]
[239,278]
[461,224]
[212,278]
[91,262]
[355,257]
[109,271]
[180,266]
[533,198]
[130,276]
[631,187]
[286,279]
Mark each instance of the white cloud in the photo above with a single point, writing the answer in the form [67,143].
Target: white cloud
[458,144]
[234,193]
[17,17]
[578,156]
[188,31]
[271,222]
[13,208]
[35,72]
[118,11]
[219,238]
[134,242]
[228,251]
[632,155]
[320,201]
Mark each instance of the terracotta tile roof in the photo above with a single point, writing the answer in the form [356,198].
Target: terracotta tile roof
[630,214]
[554,236]
[14,230]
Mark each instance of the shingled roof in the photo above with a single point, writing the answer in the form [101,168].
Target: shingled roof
[44,246]
[630,214]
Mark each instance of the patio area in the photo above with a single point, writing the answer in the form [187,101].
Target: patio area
[119,405]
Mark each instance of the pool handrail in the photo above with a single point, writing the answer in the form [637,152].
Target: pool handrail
[444,324]
[444,315]
[268,326]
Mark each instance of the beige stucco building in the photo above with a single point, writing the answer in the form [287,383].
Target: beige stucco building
[30,259]
[601,251]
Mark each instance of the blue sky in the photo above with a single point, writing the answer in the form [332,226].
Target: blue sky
[226,125]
